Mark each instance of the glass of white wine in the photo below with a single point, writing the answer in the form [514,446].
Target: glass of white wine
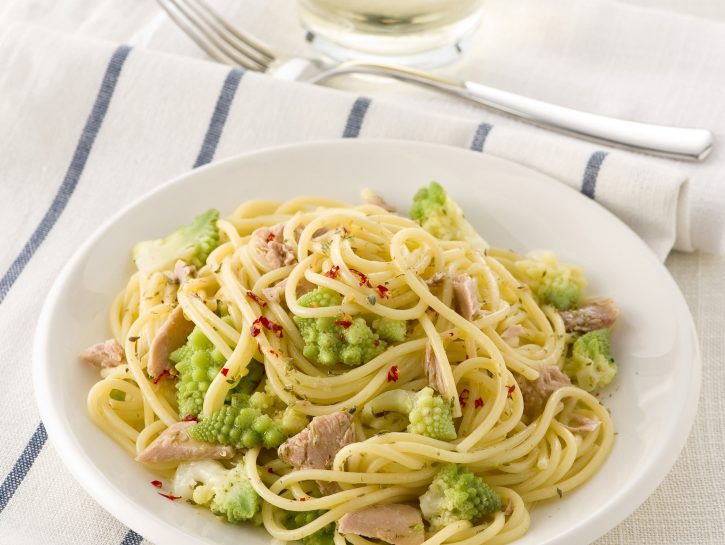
[412,32]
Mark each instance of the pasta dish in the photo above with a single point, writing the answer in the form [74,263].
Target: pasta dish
[345,373]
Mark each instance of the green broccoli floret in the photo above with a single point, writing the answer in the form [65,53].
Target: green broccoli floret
[457,494]
[591,365]
[240,425]
[197,363]
[192,243]
[390,330]
[330,340]
[228,492]
[428,414]
[438,214]
[554,283]
[323,536]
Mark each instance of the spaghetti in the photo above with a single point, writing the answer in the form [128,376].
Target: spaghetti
[382,265]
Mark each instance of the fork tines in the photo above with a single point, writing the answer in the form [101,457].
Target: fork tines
[217,36]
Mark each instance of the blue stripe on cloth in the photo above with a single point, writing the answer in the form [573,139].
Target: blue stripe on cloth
[219,117]
[131,538]
[479,139]
[73,174]
[22,465]
[67,187]
[356,117]
[591,172]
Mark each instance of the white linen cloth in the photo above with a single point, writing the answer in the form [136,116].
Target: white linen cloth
[88,126]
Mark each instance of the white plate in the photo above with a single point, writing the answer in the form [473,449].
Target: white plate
[653,399]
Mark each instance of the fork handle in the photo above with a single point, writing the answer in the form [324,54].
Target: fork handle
[674,142]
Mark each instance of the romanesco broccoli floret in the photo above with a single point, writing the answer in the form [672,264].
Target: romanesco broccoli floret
[285,417]
[291,421]
[591,365]
[390,330]
[554,283]
[192,243]
[320,297]
[323,536]
[247,384]
[428,414]
[227,492]
[457,494]
[329,340]
[438,214]
[240,425]
[197,363]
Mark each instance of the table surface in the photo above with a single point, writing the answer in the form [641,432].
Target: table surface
[701,278]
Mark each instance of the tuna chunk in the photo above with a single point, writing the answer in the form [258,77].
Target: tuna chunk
[436,278]
[433,371]
[269,241]
[536,392]
[170,336]
[375,199]
[183,272]
[315,447]
[275,293]
[106,354]
[596,314]
[175,444]
[395,523]
[512,334]
[578,423]
[465,290]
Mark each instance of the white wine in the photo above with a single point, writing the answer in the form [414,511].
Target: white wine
[406,30]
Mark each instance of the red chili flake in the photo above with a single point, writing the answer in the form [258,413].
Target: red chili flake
[332,273]
[191,418]
[302,499]
[157,484]
[270,471]
[376,343]
[162,375]
[169,496]
[344,323]
[363,279]
[393,374]
[478,403]
[463,397]
[225,371]
[256,299]
[510,390]
[268,324]
[382,290]
[344,230]
[270,237]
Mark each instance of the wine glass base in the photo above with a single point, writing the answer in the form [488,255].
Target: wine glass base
[426,49]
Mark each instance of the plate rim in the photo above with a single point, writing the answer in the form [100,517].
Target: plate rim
[158,530]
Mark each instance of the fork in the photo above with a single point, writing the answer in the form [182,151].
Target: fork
[226,43]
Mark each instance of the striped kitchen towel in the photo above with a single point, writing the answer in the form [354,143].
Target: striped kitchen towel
[88,126]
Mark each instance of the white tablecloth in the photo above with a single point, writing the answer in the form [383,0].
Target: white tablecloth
[689,506]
